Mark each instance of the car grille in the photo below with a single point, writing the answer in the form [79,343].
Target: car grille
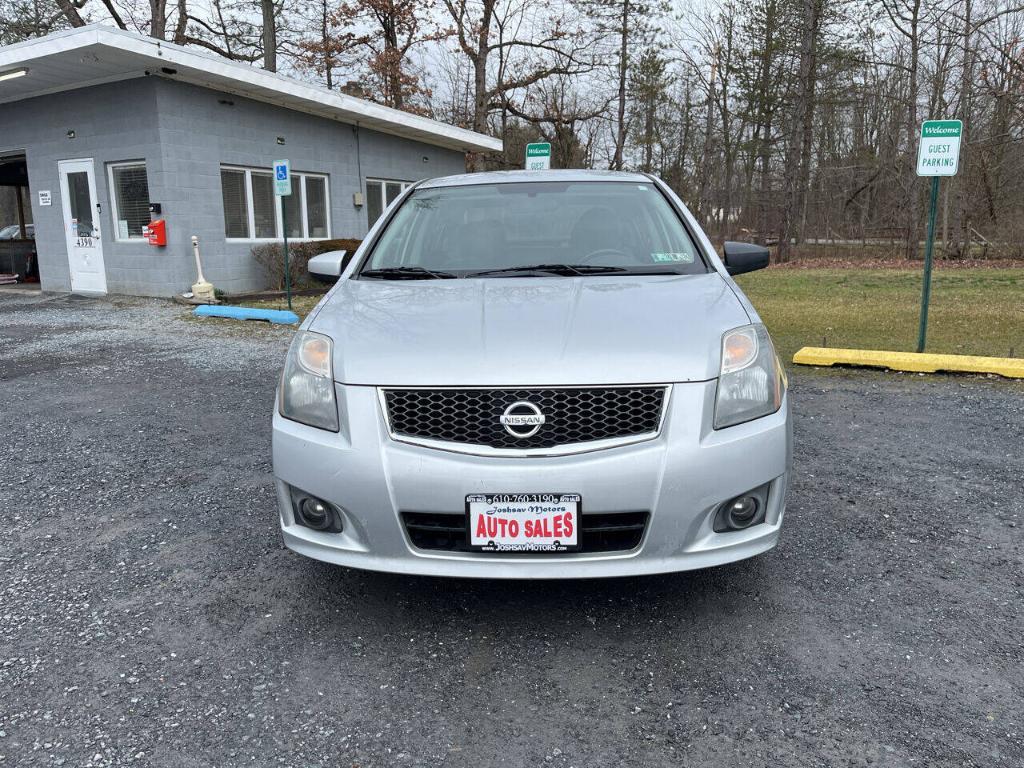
[572,415]
[602,532]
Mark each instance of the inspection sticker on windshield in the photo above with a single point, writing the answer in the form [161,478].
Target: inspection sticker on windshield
[672,258]
[524,522]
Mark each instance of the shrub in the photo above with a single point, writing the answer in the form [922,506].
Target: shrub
[270,256]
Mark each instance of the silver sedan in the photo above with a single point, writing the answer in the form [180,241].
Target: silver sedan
[533,375]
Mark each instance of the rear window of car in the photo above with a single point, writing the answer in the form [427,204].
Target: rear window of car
[461,230]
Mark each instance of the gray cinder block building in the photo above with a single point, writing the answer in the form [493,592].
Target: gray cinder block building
[116,130]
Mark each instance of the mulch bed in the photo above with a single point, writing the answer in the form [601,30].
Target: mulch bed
[273,295]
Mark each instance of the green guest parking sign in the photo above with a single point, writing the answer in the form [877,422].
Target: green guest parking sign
[938,153]
[538,156]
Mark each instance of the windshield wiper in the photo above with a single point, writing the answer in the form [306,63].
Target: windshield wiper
[555,269]
[407,273]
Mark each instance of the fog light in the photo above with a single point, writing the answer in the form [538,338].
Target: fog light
[741,512]
[318,515]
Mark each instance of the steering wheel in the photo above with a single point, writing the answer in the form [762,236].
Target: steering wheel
[605,252]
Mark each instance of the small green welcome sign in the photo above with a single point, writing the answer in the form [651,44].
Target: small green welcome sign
[938,154]
[538,156]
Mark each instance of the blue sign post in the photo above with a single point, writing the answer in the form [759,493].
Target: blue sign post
[283,188]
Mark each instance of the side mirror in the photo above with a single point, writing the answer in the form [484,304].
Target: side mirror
[744,257]
[327,267]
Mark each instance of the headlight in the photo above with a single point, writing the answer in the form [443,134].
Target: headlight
[750,383]
[307,384]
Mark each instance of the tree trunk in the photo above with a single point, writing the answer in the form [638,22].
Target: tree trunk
[325,38]
[181,25]
[686,118]
[158,19]
[727,197]
[798,160]
[620,129]
[269,36]
[392,62]
[766,111]
[963,182]
[481,96]
[703,204]
[649,115]
[70,12]
[913,218]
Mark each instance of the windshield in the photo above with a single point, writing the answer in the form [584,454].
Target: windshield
[534,228]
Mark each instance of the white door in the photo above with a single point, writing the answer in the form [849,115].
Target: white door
[82,226]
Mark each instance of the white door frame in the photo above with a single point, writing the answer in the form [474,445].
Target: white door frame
[84,251]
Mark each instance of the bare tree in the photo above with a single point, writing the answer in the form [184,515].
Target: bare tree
[489,29]
[25,19]
[329,49]
[559,113]
[226,31]
[791,121]
[628,25]
[798,152]
[386,32]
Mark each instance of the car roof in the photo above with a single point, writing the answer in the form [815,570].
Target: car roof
[513,177]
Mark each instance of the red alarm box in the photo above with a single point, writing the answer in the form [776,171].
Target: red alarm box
[156,232]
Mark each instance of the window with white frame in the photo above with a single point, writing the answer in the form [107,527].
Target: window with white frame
[251,211]
[380,193]
[129,194]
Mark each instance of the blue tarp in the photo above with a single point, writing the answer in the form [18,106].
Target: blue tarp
[282,316]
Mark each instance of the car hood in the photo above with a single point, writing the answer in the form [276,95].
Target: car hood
[529,331]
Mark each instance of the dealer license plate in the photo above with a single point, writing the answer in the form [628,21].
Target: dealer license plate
[524,522]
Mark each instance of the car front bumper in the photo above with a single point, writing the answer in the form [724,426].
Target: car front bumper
[681,477]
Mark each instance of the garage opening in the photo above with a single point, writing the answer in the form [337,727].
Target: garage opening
[18,262]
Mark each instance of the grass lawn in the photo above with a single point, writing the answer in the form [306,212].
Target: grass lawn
[973,311]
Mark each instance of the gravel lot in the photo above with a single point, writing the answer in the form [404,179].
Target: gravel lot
[150,616]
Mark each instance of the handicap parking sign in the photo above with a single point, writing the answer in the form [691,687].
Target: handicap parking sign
[282,178]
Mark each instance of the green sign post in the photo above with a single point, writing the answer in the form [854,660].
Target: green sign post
[938,155]
[283,188]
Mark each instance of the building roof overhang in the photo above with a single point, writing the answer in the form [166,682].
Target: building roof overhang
[96,54]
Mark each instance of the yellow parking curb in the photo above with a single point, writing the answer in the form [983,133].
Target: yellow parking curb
[919,362]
